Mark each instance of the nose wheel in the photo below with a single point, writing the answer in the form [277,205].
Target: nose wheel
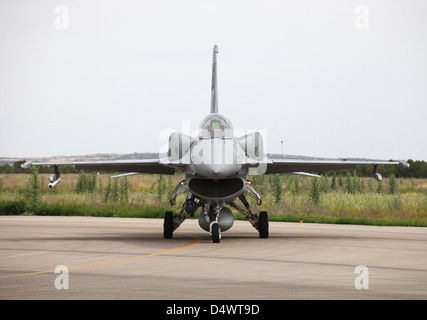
[215,232]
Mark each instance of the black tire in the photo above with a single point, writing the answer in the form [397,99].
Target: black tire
[263,225]
[168,225]
[216,233]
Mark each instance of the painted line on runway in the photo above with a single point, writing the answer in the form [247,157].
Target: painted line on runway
[196,240]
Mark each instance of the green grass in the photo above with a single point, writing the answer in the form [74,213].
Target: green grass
[347,220]
[57,209]
[362,204]
[135,211]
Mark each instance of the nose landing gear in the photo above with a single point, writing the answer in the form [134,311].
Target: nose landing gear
[215,232]
[211,215]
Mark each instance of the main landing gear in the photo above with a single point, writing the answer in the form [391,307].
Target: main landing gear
[259,222]
[263,225]
[168,225]
[171,223]
[215,216]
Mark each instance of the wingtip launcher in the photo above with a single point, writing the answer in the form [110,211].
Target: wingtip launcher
[26,165]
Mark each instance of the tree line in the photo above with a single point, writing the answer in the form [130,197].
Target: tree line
[417,169]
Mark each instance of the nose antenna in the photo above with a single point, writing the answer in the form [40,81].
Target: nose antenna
[214,90]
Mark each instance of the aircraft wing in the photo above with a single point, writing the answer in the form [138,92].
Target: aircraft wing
[296,165]
[153,166]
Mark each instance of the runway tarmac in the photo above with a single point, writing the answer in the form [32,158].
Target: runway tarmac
[125,258]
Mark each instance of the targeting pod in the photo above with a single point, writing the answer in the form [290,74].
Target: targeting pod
[54,178]
[377,176]
[54,182]
[225,220]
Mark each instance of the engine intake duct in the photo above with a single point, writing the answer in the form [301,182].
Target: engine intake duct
[212,189]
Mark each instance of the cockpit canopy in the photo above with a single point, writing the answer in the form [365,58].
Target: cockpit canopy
[216,126]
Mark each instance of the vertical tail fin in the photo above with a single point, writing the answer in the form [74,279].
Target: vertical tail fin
[214,90]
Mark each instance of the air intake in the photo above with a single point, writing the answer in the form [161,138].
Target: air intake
[222,189]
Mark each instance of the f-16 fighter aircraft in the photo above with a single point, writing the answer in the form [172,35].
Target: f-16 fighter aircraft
[216,165]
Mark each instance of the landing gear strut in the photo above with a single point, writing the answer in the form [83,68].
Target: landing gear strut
[171,222]
[259,222]
[211,213]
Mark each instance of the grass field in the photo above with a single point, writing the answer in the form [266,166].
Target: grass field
[340,199]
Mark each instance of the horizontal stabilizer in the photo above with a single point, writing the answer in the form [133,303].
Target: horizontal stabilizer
[125,175]
[298,165]
[306,174]
[151,166]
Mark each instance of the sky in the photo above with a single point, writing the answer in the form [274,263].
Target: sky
[334,79]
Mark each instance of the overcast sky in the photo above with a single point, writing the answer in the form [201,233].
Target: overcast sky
[328,78]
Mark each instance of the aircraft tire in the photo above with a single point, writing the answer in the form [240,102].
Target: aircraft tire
[168,225]
[216,233]
[263,225]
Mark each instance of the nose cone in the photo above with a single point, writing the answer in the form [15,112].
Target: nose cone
[215,159]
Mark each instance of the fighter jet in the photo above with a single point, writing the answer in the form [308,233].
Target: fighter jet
[216,165]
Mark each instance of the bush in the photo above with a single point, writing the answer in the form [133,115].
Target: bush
[314,193]
[275,181]
[33,191]
[392,185]
[86,183]
[12,207]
